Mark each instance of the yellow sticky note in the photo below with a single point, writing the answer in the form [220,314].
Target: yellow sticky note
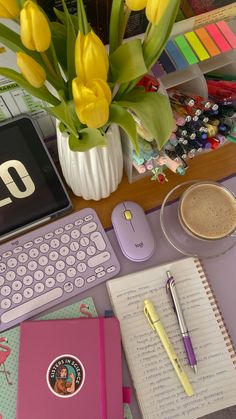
[197,46]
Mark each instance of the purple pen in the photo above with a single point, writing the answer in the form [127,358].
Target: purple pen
[170,285]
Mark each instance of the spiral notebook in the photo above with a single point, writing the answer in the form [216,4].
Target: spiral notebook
[159,392]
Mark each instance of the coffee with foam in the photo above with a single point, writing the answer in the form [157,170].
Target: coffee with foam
[208,210]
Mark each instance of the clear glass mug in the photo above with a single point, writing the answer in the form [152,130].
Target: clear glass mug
[207,211]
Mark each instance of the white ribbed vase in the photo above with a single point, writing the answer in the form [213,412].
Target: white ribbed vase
[96,173]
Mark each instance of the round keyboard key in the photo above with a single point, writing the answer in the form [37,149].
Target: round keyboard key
[68,287]
[17,285]
[49,270]
[84,241]
[79,222]
[81,267]
[39,287]
[18,249]
[60,277]
[38,275]
[50,282]
[75,234]
[27,280]
[74,246]
[34,252]
[100,274]
[71,272]
[44,248]
[80,255]
[54,243]
[43,260]
[91,279]
[53,256]
[10,275]
[5,303]
[17,298]
[65,238]
[70,260]
[5,290]
[32,265]
[64,251]
[12,262]
[21,270]
[23,257]
[60,265]
[59,231]
[91,250]
[28,292]
[79,282]
[2,280]
[2,267]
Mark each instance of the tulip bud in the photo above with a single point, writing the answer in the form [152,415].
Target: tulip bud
[92,101]
[136,5]
[155,10]
[34,29]
[31,70]
[9,9]
[91,59]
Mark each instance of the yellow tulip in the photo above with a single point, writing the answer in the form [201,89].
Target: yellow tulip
[136,4]
[91,101]
[34,28]
[155,9]
[31,70]
[91,59]
[9,9]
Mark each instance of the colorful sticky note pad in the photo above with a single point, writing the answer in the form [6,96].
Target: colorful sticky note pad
[176,55]
[186,49]
[207,41]
[228,34]
[197,46]
[166,62]
[219,39]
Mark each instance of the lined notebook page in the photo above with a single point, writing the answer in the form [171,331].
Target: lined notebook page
[160,394]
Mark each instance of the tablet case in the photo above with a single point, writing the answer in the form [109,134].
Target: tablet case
[52,352]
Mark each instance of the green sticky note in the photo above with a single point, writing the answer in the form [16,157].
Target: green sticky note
[186,49]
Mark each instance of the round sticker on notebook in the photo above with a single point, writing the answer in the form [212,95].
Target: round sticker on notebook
[65,376]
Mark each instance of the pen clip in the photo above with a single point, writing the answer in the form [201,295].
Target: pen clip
[169,285]
[147,314]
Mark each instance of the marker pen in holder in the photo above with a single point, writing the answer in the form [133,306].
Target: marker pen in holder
[180,151]
[203,118]
[137,159]
[180,98]
[198,146]
[212,130]
[228,111]
[193,111]
[224,129]
[214,143]
[139,167]
[173,165]
[222,139]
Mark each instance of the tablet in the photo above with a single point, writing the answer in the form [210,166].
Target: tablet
[31,191]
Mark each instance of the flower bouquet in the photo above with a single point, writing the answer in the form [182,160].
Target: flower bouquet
[89,87]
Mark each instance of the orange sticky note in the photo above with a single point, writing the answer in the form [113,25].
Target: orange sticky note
[207,41]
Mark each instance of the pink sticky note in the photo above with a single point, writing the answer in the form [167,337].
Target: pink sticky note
[217,36]
[227,32]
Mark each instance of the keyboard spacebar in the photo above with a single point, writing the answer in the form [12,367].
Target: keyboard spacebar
[31,305]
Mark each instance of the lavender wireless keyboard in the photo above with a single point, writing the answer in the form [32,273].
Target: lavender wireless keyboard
[52,264]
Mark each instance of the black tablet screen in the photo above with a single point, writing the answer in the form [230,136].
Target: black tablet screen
[30,188]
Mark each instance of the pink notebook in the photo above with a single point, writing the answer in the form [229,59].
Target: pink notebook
[70,369]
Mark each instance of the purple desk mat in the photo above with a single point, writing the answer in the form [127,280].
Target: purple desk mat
[220,272]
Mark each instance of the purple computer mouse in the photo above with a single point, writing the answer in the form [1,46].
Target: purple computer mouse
[133,232]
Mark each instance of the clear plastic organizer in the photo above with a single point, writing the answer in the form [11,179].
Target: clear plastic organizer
[190,80]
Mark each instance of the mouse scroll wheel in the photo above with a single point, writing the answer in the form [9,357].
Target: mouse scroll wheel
[128,214]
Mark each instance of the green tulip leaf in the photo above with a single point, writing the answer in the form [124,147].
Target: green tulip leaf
[64,114]
[88,138]
[63,18]
[71,38]
[42,92]
[158,35]
[154,111]
[127,62]
[124,119]
[59,40]
[116,24]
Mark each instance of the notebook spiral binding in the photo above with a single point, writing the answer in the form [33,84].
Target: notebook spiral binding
[217,312]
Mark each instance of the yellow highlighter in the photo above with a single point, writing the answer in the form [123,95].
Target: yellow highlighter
[156,325]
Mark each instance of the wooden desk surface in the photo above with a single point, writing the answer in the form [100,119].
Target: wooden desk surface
[210,165]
